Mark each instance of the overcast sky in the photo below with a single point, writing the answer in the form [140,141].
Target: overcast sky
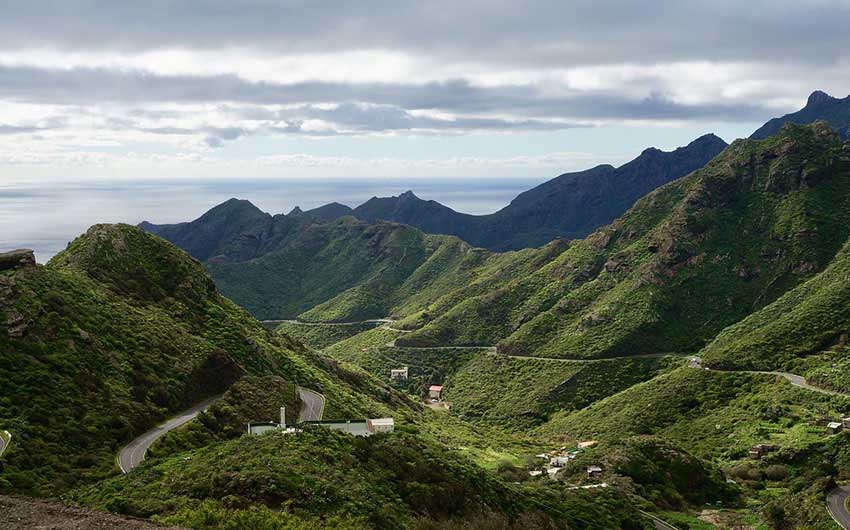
[286,89]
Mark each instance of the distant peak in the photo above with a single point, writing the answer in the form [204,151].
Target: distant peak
[708,139]
[650,151]
[819,97]
[408,195]
[295,211]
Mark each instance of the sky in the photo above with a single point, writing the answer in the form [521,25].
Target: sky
[295,89]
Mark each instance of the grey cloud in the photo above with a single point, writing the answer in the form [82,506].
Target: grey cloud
[544,32]
[83,86]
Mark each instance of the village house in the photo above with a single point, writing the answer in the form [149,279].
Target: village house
[759,450]
[594,471]
[586,444]
[399,374]
[846,422]
[560,460]
[435,392]
[833,427]
[380,425]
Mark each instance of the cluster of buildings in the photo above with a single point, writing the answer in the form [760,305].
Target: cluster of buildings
[365,427]
[832,426]
[557,459]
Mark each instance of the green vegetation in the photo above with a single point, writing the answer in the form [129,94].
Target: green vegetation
[685,262]
[322,336]
[251,399]
[518,393]
[660,472]
[386,482]
[118,332]
[806,320]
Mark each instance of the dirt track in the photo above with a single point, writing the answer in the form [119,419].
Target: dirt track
[19,513]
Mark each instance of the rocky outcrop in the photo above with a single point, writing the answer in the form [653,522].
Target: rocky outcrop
[17,259]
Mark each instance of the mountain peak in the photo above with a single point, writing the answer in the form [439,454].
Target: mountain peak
[818,97]
[408,195]
[295,212]
[709,138]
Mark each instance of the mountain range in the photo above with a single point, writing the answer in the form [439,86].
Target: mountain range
[819,106]
[568,206]
[686,361]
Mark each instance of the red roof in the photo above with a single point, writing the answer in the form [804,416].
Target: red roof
[436,388]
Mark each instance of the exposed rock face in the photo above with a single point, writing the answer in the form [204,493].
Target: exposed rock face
[17,259]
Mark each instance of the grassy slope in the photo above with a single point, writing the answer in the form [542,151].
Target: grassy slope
[806,320]
[719,416]
[122,330]
[320,337]
[685,262]
[386,482]
[522,393]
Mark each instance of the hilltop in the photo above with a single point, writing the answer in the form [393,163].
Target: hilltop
[116,333]
[819,106]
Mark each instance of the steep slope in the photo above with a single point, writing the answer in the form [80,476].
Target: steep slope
[346,270]
[689,259]
[220,231]
[392,482]
[330,211]
[569,206]
[820,106]
[118,332]
[807,320]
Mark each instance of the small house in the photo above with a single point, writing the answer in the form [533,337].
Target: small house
[586,444]
[594,471]
[759,450]
[380,425]
[833,427]
[559,461]
[435,392]
[846,422]
[399,374]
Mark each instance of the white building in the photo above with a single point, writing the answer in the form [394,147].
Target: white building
[399,374]
[380,425]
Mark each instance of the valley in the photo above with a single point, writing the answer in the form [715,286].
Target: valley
[683,366]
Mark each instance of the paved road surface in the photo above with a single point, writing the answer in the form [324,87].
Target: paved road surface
[300,323]
[836,503]
[133,455]
[313,405]
[794,379]
[594,360]
[660,524]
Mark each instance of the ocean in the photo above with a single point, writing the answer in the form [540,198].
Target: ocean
[46,216]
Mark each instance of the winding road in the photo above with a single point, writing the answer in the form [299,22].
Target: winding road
[312,405]
[300,323]
[5,435]
[134,453]
[794,379]
[836,502]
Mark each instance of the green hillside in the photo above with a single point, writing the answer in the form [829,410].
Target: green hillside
[805,321]
[117,333]
[399,481]
[347,270]
[688,260]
